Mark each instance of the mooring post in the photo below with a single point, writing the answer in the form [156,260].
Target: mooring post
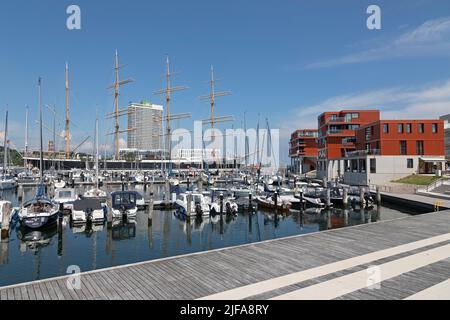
[221,204]
[361,196]
[328,198]
[167,193]
[276,202]
[109,218]
[378,196]
[325,182]
[345,197]
[6,221]
[200,185]
[150,211]
[188,183]
[302,201]
[188,206]
[250,202]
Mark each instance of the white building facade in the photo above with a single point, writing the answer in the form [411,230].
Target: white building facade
[145,128]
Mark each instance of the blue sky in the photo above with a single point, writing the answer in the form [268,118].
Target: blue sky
[286,60]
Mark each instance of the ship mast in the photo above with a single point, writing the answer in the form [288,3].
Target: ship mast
[67,138]
[213,120]
[169,117]
[117,112]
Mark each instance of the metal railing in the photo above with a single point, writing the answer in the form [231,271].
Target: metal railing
[436,184]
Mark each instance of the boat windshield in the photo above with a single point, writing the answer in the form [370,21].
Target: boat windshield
[197,198]
[124,199]
[65,194]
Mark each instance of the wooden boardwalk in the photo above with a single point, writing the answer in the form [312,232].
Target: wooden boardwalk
[399,259]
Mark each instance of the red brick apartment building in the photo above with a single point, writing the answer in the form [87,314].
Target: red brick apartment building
[303,150]
[387,150]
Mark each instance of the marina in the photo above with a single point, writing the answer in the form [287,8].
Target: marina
[273,270]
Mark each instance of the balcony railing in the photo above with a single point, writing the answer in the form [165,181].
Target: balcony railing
[362,153]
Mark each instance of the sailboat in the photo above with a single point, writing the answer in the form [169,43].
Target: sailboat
[96,193]
[40,211]
[6,182]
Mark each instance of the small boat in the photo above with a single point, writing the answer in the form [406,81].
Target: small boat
[268,202]
[199,204]
[95,194]
[67,197]
[39,212]
[87,210]
[124,204]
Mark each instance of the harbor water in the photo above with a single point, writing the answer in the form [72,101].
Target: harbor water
[35,255]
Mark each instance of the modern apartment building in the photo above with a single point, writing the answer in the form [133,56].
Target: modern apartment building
[337,137]
[388,150]
[145,131]
[303,150]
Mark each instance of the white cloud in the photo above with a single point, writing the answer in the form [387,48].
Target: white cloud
[431,38]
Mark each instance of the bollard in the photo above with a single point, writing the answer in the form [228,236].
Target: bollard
[167,192]
[6,221]
[328,199]
[378,196]
[361,196]
[109,219]
[276,203]
[150,211]
[200,185]
[345,197]
[302,201]
[189,206]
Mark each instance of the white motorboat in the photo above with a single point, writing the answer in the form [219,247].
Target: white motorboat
[199,204]
[61,184]
[67,197]
[229,207]
[124,205]
[85,210]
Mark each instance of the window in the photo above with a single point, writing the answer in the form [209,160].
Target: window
[362,165]
[408,128]
[354,165]
[333,117]
[386,128]
[403,149]
[434,128]
[347,165]
[410,163]
[421,127]
[400,128]
[419,148]
[373,165]
[353,127]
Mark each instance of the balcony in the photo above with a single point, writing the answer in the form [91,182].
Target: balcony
[363,153]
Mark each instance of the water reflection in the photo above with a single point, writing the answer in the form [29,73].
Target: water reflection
[31,255]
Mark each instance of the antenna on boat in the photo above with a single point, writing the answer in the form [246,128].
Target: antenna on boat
[118,113]
[169,117]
